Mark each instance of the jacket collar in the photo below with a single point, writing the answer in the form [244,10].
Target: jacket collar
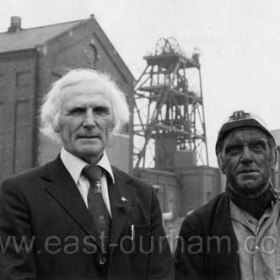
[61,186]
[221,240]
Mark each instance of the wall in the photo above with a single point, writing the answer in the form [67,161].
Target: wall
[17,119]
[118,151]
[167,187]
[184,191]
[200,184]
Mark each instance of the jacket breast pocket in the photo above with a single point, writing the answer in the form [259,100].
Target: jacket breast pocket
[141,230]
[142,239]
[136,240]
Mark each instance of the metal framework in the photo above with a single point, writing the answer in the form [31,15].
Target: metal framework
[168,107]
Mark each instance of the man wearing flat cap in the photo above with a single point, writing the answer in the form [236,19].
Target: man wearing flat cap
[236,235]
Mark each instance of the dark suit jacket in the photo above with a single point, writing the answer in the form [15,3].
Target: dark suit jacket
[43,209]
[207,246]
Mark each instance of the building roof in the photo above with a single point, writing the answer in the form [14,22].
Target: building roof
[30,38]
[18,39]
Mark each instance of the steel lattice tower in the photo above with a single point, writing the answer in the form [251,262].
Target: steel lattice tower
[169,112]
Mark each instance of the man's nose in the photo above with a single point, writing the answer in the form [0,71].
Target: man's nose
[89,120]
[246,155]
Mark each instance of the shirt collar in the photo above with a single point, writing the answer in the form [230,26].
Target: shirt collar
[105,164]
[75,165]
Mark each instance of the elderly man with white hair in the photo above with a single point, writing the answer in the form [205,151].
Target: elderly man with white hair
[78,217]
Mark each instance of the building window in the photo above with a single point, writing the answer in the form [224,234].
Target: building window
[23,79]
[92,54]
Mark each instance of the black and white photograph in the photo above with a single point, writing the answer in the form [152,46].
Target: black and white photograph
[139,139]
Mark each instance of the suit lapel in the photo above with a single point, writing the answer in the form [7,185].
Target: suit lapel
[60,185]
[122,196]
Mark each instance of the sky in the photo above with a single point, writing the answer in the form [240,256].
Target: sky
[239,44]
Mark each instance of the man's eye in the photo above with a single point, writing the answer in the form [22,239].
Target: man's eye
[232,150]
[257,147]
[77,110]
[101,110]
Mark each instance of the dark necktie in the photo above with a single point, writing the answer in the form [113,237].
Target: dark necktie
[96,205]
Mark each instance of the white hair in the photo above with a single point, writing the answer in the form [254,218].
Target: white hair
[50,109]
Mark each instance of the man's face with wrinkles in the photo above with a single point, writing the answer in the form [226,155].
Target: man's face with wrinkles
[247,159]
[86,120]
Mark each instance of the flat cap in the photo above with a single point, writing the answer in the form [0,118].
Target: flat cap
[241,119]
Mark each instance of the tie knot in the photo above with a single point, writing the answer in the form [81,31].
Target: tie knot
[93,172]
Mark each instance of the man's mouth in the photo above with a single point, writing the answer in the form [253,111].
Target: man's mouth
[248,171]
[88,136]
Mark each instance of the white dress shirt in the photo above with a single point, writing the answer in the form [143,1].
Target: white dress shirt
[75,165]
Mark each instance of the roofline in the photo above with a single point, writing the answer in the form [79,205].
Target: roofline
[18,51]
[92,17]
[48,25]
[79,22]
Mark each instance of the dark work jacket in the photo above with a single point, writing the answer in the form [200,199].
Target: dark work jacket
[207,246]
[44,207]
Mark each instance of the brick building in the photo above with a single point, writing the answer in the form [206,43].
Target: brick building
[30,60]
[184,190]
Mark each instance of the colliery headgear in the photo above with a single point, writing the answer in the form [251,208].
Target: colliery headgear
[241,119]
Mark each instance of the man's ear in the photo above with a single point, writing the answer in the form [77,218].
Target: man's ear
[221,163]
[56,126]
[274,158]
[56,122]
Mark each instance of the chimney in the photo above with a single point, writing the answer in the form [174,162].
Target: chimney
[15,24]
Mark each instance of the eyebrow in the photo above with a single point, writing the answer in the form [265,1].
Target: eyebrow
[238,142]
